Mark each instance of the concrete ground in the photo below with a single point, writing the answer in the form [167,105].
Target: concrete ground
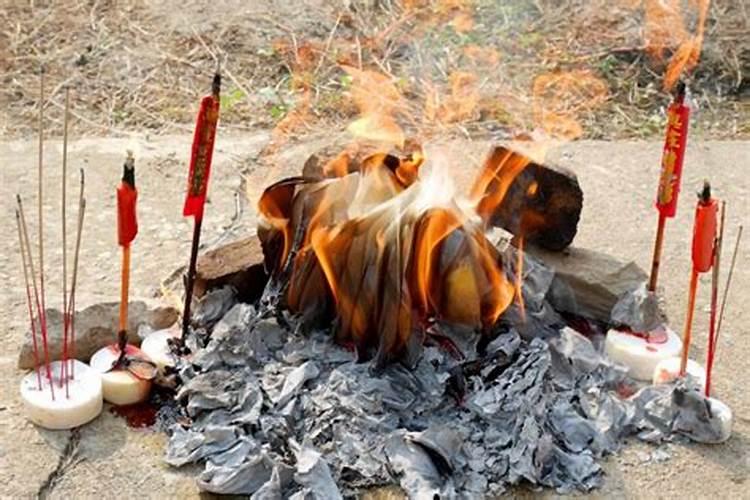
[106,459]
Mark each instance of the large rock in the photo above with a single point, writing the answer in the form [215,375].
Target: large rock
[588,283]
[96,326]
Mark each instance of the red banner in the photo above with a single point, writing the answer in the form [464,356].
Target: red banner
[671,162]
[200,161]
[127,224]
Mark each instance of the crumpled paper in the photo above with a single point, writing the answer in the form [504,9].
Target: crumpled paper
[275,414]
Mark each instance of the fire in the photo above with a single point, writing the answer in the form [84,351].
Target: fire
[560,97]
[665,31]
[385,250]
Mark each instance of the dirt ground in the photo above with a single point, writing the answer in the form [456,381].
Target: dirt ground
[106,459]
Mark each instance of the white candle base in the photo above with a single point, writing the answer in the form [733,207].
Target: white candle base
[82,405]
[723,414]
[640,355]
[119,386]
[156,347]
[668,370]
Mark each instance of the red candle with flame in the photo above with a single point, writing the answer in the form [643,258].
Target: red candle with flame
[673,155]
[671,171]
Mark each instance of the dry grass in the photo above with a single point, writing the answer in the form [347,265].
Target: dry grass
[462,67]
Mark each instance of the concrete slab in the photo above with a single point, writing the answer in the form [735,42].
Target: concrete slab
[107,459]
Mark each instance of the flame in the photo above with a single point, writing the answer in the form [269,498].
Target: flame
[560,97]
[388,247]
[460,105]
[378,100]
[665,31]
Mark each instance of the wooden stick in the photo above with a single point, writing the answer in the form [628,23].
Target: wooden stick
[30,260]
[28,300]
[656,261]
[190,282]
[64,182]
[688,322]
[71,302]
[714,300]
[125,284]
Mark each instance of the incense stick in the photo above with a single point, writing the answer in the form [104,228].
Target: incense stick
[71,302]
[64,182]
[656,261]
[28,301]
[729,281]
[30,260]
[42,306]
[714,301]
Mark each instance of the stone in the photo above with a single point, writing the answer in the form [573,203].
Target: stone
[96,327]
[588,283]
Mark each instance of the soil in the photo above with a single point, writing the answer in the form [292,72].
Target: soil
[618,180]
[481,67]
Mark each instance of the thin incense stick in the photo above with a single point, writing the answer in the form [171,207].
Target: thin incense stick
[72,299]
[43,306]
[30,260]
[729,281]
[714,301]
[66,320]
[28,300]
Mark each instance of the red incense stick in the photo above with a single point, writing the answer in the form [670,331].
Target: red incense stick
[678,115]
[200,169]
[72,299]
[29,301]
[42,312]
[66,319]
[30,260]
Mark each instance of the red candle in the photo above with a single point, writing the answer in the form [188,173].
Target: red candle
[678,115]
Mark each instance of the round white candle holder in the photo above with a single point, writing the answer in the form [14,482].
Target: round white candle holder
[80,404]
[641,354]
[119,385]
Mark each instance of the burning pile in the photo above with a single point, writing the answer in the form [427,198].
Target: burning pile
[386,247]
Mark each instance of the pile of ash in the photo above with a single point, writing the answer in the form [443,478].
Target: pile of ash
[277,414]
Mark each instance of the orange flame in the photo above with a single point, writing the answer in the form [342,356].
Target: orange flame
[389,250]
[665,31]
[560,97]
[378,101]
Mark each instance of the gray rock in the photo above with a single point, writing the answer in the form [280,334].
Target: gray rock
[96,327]
[587,282]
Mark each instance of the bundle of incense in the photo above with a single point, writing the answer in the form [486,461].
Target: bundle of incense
[704,239]
[200,169]
[673,155]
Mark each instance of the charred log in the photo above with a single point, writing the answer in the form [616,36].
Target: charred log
[542,203]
